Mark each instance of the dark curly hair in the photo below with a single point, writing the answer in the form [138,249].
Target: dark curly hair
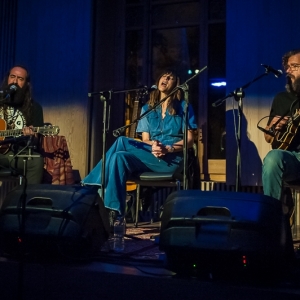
[290,87]
[26,106]
[155,95]
[287,55]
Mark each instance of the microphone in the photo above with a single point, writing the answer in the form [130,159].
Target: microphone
[8,92]
[269,132]
[117,132]
[277,73]
[149,90]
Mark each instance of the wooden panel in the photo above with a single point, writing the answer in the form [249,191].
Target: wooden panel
[210,169]
[217,166]
[217,177]
[216,170]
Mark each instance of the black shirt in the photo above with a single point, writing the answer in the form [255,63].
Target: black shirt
[37,115]
[286,104]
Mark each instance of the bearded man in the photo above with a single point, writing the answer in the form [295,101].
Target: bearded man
[19,114]
[282,164]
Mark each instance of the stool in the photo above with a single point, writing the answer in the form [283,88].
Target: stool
[157,179]
[294,218]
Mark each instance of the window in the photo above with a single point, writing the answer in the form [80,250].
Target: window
[170,33]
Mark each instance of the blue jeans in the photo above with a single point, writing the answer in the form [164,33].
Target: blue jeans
[125,157]
[279,166]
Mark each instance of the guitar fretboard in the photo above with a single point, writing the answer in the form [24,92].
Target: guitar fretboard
[48,130]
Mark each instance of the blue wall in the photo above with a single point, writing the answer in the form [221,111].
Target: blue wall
[258,31]
[54,40]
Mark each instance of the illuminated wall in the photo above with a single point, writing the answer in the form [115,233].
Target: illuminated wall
[53,40]
[258,32]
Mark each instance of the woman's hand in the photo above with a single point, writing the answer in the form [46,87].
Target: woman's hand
[158,149]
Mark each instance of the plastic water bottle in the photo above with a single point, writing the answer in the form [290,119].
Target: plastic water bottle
[119,232]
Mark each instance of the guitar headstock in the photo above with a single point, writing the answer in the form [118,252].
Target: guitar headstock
[49,130]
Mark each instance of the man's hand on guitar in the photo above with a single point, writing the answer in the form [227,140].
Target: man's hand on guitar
[281,124]
[28,130]
[277,124]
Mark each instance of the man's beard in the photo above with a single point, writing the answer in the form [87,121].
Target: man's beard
[14,98]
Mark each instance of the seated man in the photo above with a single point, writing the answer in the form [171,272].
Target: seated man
[19,111]
[282,164]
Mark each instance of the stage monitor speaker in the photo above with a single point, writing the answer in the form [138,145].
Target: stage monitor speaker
[223,232]
[67,220]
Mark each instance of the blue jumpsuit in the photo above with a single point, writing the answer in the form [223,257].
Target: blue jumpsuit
[128,156]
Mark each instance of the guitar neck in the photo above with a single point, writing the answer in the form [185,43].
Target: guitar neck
[18,132]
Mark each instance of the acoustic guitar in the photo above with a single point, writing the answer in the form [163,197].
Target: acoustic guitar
[283,139]
[131,186]
[48,130]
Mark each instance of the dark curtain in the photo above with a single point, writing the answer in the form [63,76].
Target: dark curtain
[107,74]
[8,18]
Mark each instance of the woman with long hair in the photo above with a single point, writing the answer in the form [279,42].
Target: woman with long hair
[161,148]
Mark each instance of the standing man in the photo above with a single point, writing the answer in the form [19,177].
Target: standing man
[19,111]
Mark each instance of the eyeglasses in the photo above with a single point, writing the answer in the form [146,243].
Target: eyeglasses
[292,67]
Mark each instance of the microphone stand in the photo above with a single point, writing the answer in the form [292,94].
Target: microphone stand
[184,88]
[117,132]
[104,134]
[238,95]
[106,121]
[22,202]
